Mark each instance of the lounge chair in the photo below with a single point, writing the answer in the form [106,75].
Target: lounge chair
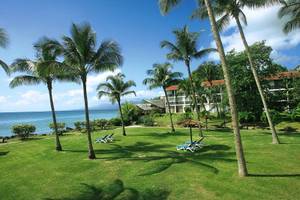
[101,140]
[110,138]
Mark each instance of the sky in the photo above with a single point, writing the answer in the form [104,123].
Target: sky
[137,25]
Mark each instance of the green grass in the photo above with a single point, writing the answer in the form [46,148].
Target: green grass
[146,165]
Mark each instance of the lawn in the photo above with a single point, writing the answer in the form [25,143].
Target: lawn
[146,165]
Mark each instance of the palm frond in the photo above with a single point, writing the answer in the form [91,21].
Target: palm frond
[3,38]
[204,52]
[24,80]
[166,5]
[5,67]
[23,65]
[223,22]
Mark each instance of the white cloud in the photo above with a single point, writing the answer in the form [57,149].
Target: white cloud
[263,24]
[3,99]
[32,97]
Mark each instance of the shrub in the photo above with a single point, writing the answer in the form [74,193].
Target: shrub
[79,125]
[60,127]
[246,117]
[131,113]
[23,130]
[148,120]
[101,123]
[184,116]
[115,121]
[275,116]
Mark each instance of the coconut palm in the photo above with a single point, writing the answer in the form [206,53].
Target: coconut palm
[83,57]
[35,73]
[115,88]
[3,44]
[228,9]
[165,6]
[291,9]
[161,75]
[185,49]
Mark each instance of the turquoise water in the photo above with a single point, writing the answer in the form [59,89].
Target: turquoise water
[42,119]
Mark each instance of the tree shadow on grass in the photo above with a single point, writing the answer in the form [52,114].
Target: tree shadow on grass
[274,175]
[4,153]
[116,190]
[164,158]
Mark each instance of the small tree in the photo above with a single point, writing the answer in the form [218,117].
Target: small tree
[60,127]
[23,130]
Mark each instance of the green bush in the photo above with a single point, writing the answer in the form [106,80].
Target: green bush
[115,121]
[79,125]
[246,117]
[101,123]
[60,127]
[23,130]
[184,116]
[148,120]
[131,113]
[275,117]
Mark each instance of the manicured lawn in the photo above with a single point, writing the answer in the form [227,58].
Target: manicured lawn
[146,165]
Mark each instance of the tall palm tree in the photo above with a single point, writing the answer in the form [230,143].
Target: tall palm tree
[291,9]
[3,44]
[82,57]
[185,49]
[161,75]
[35,73]
[115,89]
[165,6]
[228,9]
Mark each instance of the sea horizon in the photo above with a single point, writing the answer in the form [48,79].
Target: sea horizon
[41,119]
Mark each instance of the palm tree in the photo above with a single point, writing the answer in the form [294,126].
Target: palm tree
[82,57]
[115,89]
[35,73]
[185,49]
[161,75]
[228,9]
[165,6]
[291,9]
[3,44]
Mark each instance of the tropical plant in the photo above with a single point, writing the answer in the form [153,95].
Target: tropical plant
[165,6]
[3,44]
[290,9]
[82,57]
[185,49]
[161,75]
[131,112]
[60,126]
[228,9]
[23,130]
[42,70]
[115,88]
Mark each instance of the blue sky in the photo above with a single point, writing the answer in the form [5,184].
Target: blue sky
[136,24]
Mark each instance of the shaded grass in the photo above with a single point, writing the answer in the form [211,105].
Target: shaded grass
[146,165]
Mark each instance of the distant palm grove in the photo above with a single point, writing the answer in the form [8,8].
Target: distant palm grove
[245,98]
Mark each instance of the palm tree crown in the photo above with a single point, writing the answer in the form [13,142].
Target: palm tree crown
[115,88]
[161,76]
[185,47]
[291,9]
[3,44]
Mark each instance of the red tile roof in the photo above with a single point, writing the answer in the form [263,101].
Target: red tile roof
[280,75]
[212,83]
[172,88]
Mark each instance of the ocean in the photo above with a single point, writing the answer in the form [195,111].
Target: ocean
[42,119]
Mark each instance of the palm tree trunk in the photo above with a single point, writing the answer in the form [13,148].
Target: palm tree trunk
[122,119]
[187,63]
[57,142]
[91,153]
[275,139]
[169,108]
[242,168]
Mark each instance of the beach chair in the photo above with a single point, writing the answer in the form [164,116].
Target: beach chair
[102,140]
[110,138]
